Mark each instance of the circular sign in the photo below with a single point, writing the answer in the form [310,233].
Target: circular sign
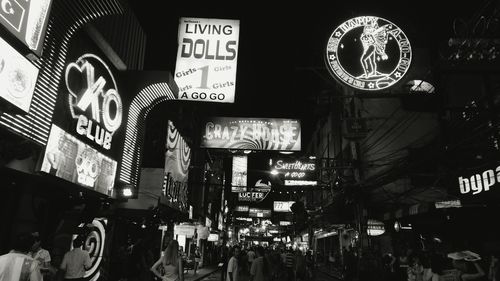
[368,53]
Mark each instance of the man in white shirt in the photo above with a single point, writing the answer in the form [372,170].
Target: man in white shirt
[17,265]
[232,265]
[75,262]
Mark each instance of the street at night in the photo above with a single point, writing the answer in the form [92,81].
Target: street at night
[213,140]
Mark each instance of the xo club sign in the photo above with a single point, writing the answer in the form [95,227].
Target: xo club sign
[368,53]
[93,99]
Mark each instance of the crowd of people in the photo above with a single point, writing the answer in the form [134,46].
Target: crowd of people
[28,261]
[267,264]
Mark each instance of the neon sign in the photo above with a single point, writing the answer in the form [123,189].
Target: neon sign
[368,53]
[94,99]
[480,182]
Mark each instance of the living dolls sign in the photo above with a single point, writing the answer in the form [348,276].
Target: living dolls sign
[206,59]
[368,53]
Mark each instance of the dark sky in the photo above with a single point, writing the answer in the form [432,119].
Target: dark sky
[281,67]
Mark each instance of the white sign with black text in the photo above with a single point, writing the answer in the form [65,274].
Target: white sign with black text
[206,59]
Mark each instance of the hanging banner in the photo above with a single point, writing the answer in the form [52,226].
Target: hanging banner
[26,20]
[206,59]
[252,133]
[177,161]
[239,175]
[368,53]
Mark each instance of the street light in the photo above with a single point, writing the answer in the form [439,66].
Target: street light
[274,172]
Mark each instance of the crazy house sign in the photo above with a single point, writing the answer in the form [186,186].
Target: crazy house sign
[83,146]
[252,133]
[368,53]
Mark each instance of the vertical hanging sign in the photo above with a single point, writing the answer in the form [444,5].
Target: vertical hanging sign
[206,59]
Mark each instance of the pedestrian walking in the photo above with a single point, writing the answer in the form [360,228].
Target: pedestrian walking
[232,265]
[75,262]
[259,269]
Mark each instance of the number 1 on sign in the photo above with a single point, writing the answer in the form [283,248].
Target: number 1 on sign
[204,77]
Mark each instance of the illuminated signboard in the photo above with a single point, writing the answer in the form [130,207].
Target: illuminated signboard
[448,204]
[259,213]
[285,223]
[68,158]
[295,171]
[206,59]
[177,161]
[252,133]
[480,182]
[89,110]
[213,237]
[27,20]
[17,77]
[251,196]
[368,53]
[241,208]
[283,206]
[300,183]
[239,178]
[93,99]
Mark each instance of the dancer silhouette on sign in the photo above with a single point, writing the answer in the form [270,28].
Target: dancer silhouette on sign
[374,40]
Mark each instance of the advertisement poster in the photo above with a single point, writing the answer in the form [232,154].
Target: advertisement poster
[17,77]
[252,133]
[68,158]
[27,20]
[206,59]
[177,161]
[239,178]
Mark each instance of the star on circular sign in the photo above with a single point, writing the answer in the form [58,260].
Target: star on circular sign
[368,53]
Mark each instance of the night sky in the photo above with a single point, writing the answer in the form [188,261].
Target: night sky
[281,69]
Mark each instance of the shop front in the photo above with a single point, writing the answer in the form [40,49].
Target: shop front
[62,124]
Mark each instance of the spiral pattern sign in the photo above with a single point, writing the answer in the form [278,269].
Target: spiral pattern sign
[252,133]
[94,236]
[177,161]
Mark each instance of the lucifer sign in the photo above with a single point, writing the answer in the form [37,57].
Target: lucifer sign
[94,99]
